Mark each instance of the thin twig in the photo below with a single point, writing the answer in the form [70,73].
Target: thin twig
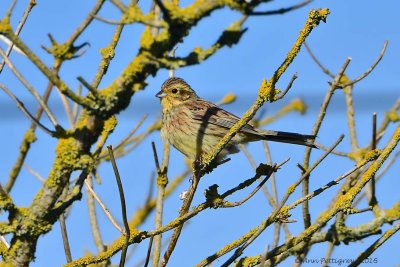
[255,190]
[171,72]
[11,8]
[64,234]
[67,107]
[325,70]
[29,135]
[75,107]
[281,10]
[254,166]
[109,21]
[273,183]
[50,75]
[334,152]
[294,105]
[277,234]
[350,113]
[21,24]
[34,173]
[365,74]
[314,131]
[326,186]
[267,90]
[103,206]
[370,189]
[264,257]
[85,23]
[131,133]
[123,207]
[294,77]
[120,5]
[4,241]
[272,217]
[155,9]
[328,253]
[88,86]
[162,181]
[9,43]
[277,229]
[388,234]
[30,88]
[163,9]
[94,225]
[21,106]
[387,166]
[155,155]
[69,43]
[183,211]
[269,220]
[106,58]
[148,252]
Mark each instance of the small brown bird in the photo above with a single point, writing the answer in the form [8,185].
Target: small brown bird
[194,126]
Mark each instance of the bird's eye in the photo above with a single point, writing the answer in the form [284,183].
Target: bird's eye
[174,91]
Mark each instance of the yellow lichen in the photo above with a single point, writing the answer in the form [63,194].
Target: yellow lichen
[264,90]
[228,98]
[372,155]
[107,53]
[248,261]
[291,189]
[5,264]
[5,25]
[162,180]
[393,213]
[393,116]
[30,136]
[147,39]
[299,105]
[155,126]
[110,124]
[345,80]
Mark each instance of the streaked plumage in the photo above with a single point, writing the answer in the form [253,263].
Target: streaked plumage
[194,126]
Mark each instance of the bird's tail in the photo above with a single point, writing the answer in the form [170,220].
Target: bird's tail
[291,138]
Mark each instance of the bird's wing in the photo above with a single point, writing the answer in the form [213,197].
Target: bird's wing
[205,111]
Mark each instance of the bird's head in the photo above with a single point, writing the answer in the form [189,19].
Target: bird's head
[175,91]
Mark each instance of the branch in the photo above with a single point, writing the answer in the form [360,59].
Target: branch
[314,57]
[388,234]
[123,207]
[279,212]
[294,77]
[64,233]
[255,190]
[29,136]
[103,206]
[43,68]
[229,37]
[267,90]
[94,225]
[162,181]
[365,74]
[32,90]
[21,24]
[344,202]
[280,11]
[314,131]
[107,55]
[138,236]
[21,106]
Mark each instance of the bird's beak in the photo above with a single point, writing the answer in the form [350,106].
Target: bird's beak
[161,94]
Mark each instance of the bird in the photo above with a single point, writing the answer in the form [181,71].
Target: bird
[194,126]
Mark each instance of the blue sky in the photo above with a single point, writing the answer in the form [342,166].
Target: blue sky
[355,28]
